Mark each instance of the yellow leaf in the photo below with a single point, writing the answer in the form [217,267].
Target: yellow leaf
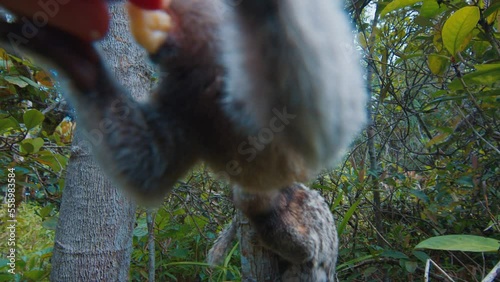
[437,64]
[457,29]
[437,40]
[437,139]
[3,54]
[44,79]
[491,18]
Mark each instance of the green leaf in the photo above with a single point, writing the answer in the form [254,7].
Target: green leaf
[337,201]
[347,216]
[29,81]
[398,4]
[493,224]
[438,64]
[7,276]
[458,27]
[50,223]
[194,221]
[16,80]
[33,118]
[393,254]
[55,161]
[32,145]
[420,195]
[141,229]
[179,253]
[466,181]
[8,123]
[34,275]
[423,257]
[354,261]
[464,243]
[230,254]
[369,271]
[484,75]
[45,211]
[431,8]
[437,139]
[494,7]
[480,47]
[411,266]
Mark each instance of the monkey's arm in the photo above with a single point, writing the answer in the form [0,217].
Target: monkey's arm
[123,133]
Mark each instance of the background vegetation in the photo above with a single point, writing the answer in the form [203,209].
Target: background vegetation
[428,165]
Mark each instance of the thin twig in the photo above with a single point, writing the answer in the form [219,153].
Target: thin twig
[427,269]
[493,273]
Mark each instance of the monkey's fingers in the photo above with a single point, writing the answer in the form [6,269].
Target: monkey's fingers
[149,27]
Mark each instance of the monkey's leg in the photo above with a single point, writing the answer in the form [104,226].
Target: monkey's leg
[124,134]
[297,225]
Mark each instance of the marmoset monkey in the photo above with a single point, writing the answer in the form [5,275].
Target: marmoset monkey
[267,92]
[298,227]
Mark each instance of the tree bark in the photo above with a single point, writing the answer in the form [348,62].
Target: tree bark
[94,234]
[257,263]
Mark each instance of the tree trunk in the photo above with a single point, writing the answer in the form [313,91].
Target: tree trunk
[257,263]
[94,234]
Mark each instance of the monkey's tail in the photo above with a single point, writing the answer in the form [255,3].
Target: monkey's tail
[222,244]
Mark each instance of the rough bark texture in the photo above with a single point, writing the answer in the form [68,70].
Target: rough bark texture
[257,263]
[94,234]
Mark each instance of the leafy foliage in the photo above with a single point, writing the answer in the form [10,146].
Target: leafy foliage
[430,164]
[34,133]
[185,228]
[34,243]
[427,168]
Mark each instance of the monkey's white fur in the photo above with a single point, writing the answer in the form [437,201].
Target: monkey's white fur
[324,88]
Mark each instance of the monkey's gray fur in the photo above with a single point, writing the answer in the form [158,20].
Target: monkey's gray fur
[298,227]
[269,92]
[223,243]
